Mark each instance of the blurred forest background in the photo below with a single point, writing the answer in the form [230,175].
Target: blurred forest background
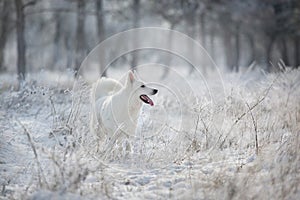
[58,34]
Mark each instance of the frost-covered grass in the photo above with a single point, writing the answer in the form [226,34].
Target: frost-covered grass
[243,145]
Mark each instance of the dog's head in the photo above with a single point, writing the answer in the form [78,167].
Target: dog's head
[139,89]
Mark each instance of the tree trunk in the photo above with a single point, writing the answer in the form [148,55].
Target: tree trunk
[101,33]
[4,16]
[252,56]
[169,54]
[203,31]
[212,52]
[80,37]
[284,51]
[269,48]
[57,35]
[237,48]
[192,34]
[69,51]
[297,51]
[136,23]
[227,44]
[203,39]
[21,45]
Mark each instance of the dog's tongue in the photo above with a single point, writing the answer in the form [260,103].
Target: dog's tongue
[147,100]
[150,102]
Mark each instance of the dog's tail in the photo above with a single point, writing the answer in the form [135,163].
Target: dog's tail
[105,87]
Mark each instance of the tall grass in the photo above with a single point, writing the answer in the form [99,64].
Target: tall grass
[253,153]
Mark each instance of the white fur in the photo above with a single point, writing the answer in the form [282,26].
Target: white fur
[116,107]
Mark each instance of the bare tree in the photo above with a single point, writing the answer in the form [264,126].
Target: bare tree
[190,8]
[237,47]
[297,50]
[101,32]
[287,25]
[207,32]
[4,17]
[202,30]
[283,50]
[136,23]
[269,30]
[56,41]
[170,12]
[80,36]
[296,31]
[279,19]
[21,43]
[252,54]
[227,40]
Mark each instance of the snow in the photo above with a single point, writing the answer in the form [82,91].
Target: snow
[197,142]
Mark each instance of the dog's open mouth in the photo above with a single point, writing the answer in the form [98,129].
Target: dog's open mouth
[146,99]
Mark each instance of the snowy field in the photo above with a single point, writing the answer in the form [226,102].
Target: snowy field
[232,138]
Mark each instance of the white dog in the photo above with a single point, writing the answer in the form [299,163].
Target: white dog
[116,108]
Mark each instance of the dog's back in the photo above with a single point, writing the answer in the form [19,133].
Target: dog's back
[105,87]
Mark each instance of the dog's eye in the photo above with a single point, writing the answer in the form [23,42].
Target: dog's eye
[142,85]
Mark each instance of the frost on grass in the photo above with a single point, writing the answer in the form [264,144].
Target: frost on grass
[48,152]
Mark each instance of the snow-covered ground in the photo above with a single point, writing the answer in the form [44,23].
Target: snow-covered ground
[202,140]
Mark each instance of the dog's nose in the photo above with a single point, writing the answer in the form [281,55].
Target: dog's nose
[155,91]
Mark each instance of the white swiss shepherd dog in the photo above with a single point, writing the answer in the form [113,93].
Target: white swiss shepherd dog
[116,108]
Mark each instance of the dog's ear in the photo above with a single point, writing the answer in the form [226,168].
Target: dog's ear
[130,78]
